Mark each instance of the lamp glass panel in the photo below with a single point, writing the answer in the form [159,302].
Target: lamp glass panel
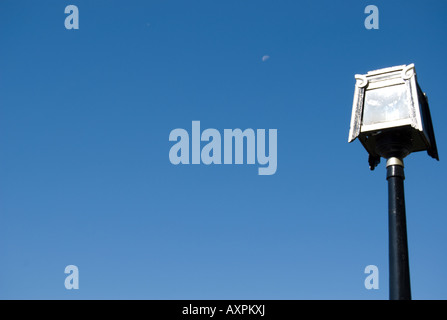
[386,104]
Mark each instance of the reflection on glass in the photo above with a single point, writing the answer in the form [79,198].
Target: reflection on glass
[386,104]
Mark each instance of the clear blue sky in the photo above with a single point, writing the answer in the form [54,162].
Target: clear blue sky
[85,176]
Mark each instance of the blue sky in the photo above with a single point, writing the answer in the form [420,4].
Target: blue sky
[85,176]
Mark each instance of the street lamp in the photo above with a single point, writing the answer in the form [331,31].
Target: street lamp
[391,118]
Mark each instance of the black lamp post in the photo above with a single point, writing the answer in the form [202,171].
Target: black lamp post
[391,118]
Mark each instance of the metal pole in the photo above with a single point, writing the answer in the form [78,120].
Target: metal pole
[397,227]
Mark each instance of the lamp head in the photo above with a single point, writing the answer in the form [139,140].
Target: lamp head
[390,115]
